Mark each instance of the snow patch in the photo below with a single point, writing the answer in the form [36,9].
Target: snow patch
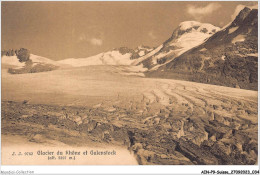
[203,49]
[253,54]
[141,53]
[238,38]
[189,40]
[233,29]
[154,60]
[13,61]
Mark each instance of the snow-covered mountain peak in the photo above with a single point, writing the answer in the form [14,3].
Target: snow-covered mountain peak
[188,24]
[186,36]
[190,34]
[194,27]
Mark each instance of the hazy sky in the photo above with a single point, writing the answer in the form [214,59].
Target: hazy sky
[60,30]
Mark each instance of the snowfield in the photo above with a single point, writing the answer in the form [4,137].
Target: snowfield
[239,38]
[200,26]
[39,59]
[12,61]
[108,58]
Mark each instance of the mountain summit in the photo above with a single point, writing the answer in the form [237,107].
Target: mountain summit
[186,36]
[193,26]
[229,57]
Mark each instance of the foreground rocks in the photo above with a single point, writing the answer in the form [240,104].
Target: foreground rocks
[169,137]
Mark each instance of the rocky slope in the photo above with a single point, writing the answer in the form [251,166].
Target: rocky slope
[227,58]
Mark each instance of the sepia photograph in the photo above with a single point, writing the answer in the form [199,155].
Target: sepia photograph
[129,83]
